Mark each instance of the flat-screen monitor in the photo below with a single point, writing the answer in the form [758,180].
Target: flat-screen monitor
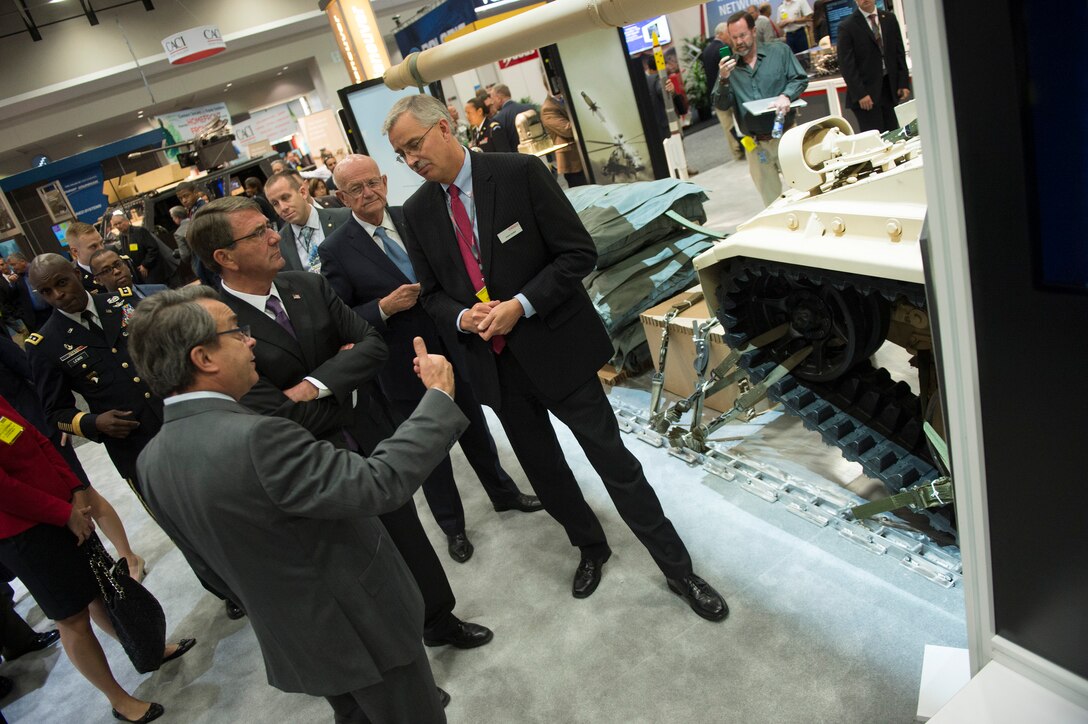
[61,230]
[837,10]
[366,105]
[639,36]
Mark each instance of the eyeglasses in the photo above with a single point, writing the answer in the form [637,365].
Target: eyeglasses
[242,330]
[111,269]
[371,183]
[258,233]
[413,146]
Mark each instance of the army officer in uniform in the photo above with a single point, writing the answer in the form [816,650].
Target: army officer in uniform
[486,134]
[83,347]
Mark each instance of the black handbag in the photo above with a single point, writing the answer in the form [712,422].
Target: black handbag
[136,615]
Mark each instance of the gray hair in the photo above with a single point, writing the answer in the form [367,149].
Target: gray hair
[162,332]
[427,110]
[211,228]
[343,166]
[178,212]
[721,29]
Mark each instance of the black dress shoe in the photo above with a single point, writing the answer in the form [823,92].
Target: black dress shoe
[40,641]
[588,576]
[460,547]
[153,712]
[521,501]
[701,596]
[183,647]
[6,685]
[234,611]
[463,635]
[443,697]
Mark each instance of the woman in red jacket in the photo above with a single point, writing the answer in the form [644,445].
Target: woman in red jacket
[44,519]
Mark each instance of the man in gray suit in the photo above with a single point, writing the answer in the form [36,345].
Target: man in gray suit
[289,527]
[305,224]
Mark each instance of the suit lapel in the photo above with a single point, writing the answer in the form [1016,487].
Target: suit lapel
[264,328]
[483,192]
[111,320]
[297,303]
[288,249]
[367,246]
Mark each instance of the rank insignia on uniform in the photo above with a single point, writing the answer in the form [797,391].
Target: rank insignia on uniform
[115,301]
[34,338]
[125,291]
[68,347]
[296,296]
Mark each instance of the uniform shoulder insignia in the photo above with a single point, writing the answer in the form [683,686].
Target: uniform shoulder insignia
[124,291]
[494,124]
[34,339]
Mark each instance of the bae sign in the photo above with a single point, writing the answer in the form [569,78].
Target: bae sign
[193,44]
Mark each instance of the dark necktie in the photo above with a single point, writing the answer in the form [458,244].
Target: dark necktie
[306,234]
[275,306]
[470,255]
[92,324]
[875,25]
[396,254]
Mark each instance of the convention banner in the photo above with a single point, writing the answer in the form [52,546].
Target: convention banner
[184,125]
[429,30]
[271,124]
[84,191]
[322,130]
[719,12]
[507,62]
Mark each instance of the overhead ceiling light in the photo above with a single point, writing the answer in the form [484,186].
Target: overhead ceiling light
[78,135]
[279,74]
[285,67]
[229,85]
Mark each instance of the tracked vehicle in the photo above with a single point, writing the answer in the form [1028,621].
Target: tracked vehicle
[836,265]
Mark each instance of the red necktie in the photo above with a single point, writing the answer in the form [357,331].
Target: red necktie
[470,254]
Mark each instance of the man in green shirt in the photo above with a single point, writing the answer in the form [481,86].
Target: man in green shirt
[753,73]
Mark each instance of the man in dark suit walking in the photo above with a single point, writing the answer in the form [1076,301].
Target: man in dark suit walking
[874,66]
[305,225]
[500,255]
[22,298]
[288,526]
[317,361]
[366,264]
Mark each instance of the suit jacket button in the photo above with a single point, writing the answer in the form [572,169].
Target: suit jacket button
[124,365]
[114,350]
[84,365]
[135,379]
[147,395]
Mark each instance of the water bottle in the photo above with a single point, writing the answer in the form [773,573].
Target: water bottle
[779,123]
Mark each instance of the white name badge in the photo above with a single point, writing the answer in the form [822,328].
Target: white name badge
[510,232]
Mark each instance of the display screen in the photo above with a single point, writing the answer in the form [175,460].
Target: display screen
[60,230]
[1058,155]
[367,104]
[639,36]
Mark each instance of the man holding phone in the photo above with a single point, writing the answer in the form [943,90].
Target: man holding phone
[715,50]
[755,72]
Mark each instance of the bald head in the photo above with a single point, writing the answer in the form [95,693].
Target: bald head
[58,283]
[362,187]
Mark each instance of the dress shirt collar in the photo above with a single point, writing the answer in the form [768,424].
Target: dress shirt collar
[387,224]
[198,395]
[313,222]
[90,307]
[257,301]
[464,176]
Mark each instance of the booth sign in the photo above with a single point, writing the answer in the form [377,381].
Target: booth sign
[193,44]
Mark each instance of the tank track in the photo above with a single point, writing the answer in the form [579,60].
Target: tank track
[871,418]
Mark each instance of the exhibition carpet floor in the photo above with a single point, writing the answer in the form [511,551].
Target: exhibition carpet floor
[819,630]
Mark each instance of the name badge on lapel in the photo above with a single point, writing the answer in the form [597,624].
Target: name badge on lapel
[510,232]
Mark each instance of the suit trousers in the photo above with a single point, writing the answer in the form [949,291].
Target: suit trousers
[406,694]
[415,548]
[476,443]
[16,636]
[524,416]
[765,171]
[881,117]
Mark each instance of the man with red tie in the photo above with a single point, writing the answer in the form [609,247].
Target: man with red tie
[874,66]
[500,255]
